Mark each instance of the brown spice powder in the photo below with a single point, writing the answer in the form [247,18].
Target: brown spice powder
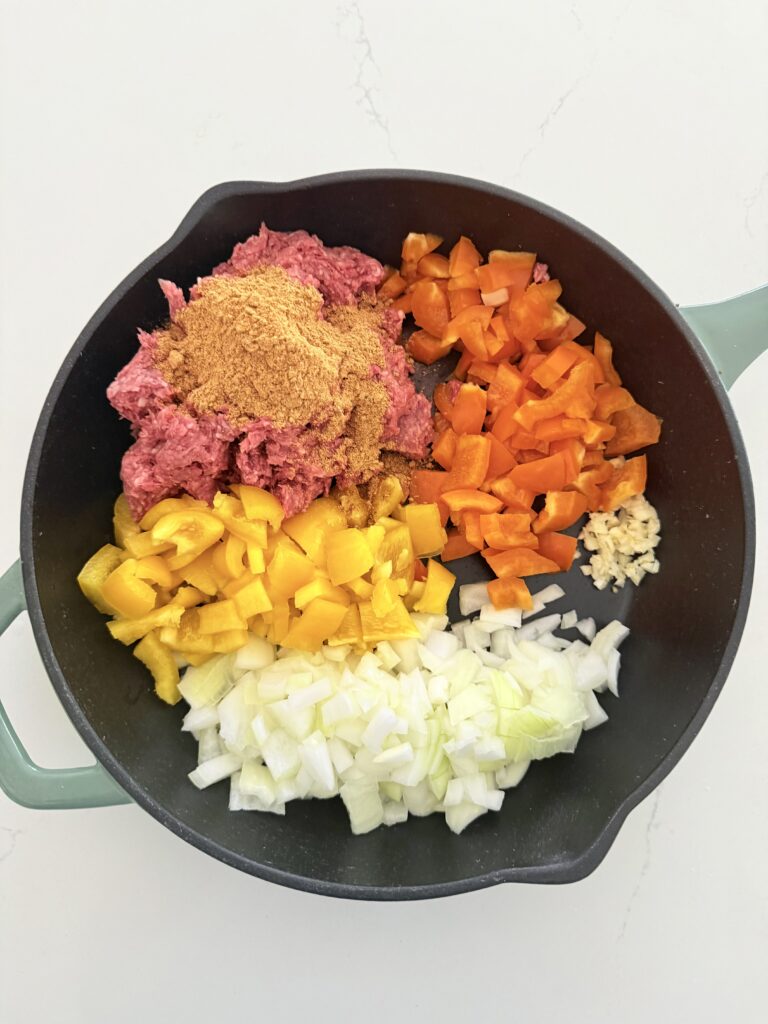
[256,346]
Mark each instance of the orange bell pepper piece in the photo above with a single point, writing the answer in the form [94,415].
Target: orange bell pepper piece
[498,541]
[444,448]
[442,399]
[463,258]
[470,460]
[464,499]
[512,270]
[462,298]
[589,481]
[457,546]
[404,303]
[519,562]
[553,367]
[610,398]
[574,398]
[505,424]
[547,474]
[482,372]
[625,482]
[596,432]
[433,265]
[530,362]
[464,363]
[393,286]
[604,356]
[473,337]
[635,428]
[457,328]
[559,548]
[416,246]
[559,427]
[510,592]
[501,459]
[507,387]
[430,307]
[513,497]
[427,486]
[425,348]
[572,451]
[561,510]
[509,523]
[500,329]
[469,408]
[472,531]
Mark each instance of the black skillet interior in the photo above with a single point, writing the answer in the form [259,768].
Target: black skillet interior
[685,623]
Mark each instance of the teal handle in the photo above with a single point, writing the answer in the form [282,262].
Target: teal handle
[734,332]
[20,778]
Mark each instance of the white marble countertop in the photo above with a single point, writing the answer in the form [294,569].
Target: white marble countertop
[644,121]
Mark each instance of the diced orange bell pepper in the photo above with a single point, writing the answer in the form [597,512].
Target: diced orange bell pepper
[430,307]
[508,523]
[536,313]
[501,460]
[404,303]
[510,592]
[559,548]
[610,398]
[505,424]
[425,348]
[457,546]
[511,270]
[470,460]
[444,448]
[553,367]
[416,246]
[433,265]
[393,286]
[457,328]
[464,363]
[469,409]
[442,399]
[559,427]
[474,338]
[514,498]
[530,362]
[589,481]
[597,432]
[498,541]
[472,530]
[427,485]
[547,474]
[574,398]
[625,482]
[464,257]
[482,372]
[500,329]
[635,428]
[460,299]
[572,451]
[467,500]
[519,562]
[604,356]
[561,510]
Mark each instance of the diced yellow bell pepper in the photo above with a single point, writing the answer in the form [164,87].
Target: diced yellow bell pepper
[196,659]
[235,586]
[260,504]
[427,533]
[361,588]
[319,588]
[200,574]
[123,522]
[349,630]
[385,593]
[257,626]
[319,621]
[126,593]
[395,625]
[160,662]
[155,569]
[167,506]
[255,556]
[187,638]
[229,640]
[219,617]
[439,584]
[227,559]
[281,622]
[385,493]
[348,555]
[382,571]
[309,529]
[414,594]
[278,539]
[188,597]
[374,536]
[397,548]
[128,631]
[252,600]
[92,576]
[231,513]
[287,572]
[193,531]
[353,505]
[141,545]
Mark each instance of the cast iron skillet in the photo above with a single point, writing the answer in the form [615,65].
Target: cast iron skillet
[686,623]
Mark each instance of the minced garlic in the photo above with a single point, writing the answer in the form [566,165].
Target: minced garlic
[623,543]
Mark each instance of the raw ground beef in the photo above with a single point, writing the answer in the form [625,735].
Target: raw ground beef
[177,450]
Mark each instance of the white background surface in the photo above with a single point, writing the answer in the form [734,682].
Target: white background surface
[645,121]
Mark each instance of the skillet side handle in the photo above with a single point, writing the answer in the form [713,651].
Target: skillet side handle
[734,332]
[20,778]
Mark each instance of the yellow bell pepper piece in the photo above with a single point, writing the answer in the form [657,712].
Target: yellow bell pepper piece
[385,494]
[382,571]
[187,638]
[126,593]
[385,593]
[123,522]
[353,505]
[255,556]
[349,631]
[141,545]
[348,555]
[188,597]
[196,659]
[414,594]
[160,662]
[168,505]
[229,640]
[280,624]
[92,576]
[192,531]
[439,584]
[231,513]
[260,504]
[395,625]
[219,617]
[128,631]
[319,621]
[288,571]
[155,569]
[397,548]
[257,626]
[374,535]
[200,574]
[427,533]
[227,559]
[361,588]
[252,600]
[309,529]
[319,588]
